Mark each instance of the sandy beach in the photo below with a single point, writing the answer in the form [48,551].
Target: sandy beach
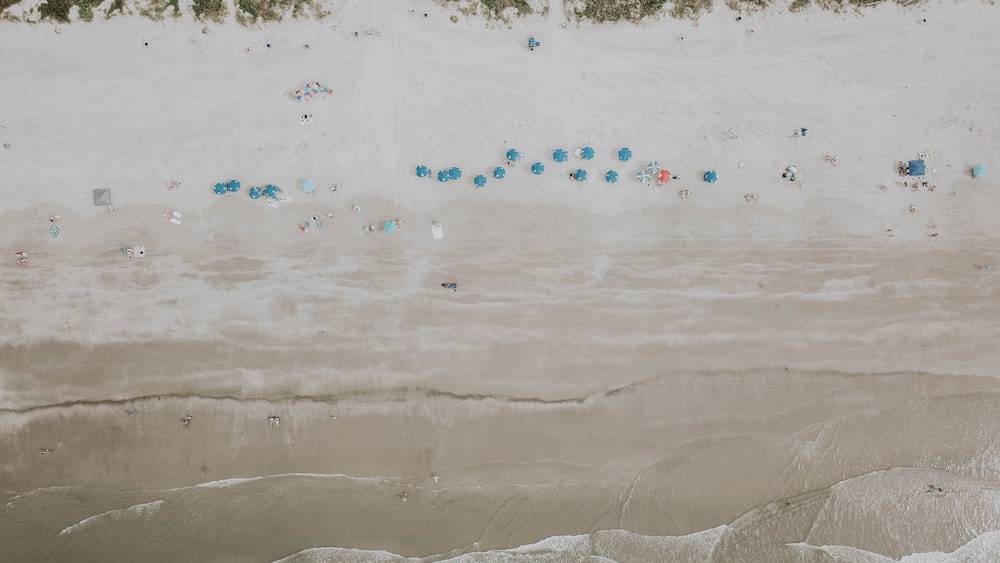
[622,373]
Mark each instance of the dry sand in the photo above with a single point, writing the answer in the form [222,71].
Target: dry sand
[771,377]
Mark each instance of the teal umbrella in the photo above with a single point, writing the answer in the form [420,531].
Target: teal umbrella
[711,176]
[537,168]
[389,227]
[233,186]
[559,155]
[454,173]
[479,181]
[499,172]
[587,153]
[423,171]
[624,154]
[580,175]
[979,170]
[220,189]
[611,176]
[513,155]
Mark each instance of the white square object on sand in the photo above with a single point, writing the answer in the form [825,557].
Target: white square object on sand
[437,232]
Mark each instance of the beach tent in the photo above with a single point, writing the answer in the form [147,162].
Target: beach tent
[220,189]
[979,170]
[499,172]
[711,176]
[233,186]
[513,155]
[917,167]
[643,175]
[580,175]
[307,185]
[624,154]
[423,171]
[479,181]
[611,176]
[587,153]
[443,176]
[537,168]
[454,173]
[664,177]
[559,155]
[255,192]
[389,227]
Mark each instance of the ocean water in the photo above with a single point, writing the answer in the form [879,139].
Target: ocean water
[313,518]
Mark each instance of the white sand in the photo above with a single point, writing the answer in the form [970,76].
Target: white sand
[601,333]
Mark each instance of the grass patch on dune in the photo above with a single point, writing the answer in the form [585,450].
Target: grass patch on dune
[4,4]
[635,10]
[249,11]
[156,9]
[212,10]
[747,5]
[798,6]
[491,8]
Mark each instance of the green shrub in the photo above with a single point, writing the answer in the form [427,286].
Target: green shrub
[213,10]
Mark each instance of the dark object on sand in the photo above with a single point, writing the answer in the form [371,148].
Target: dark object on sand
[450,285]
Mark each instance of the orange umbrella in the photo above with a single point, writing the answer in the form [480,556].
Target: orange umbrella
[664,176]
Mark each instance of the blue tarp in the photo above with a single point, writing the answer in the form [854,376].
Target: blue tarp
[220,189]
[979,170]
[711,176]
[254,192]
[479,181]
[423,171]
[580,175]
[917,168]
[454,173]
[499,172]
[537,168]
[233,186]
[308,186]
[559,155]
[389,227]
[587,153]
[611,176]
[513,155]
[624,154]
[443,176]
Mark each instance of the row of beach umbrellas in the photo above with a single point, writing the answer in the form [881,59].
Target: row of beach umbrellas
[651,171]
[255,192]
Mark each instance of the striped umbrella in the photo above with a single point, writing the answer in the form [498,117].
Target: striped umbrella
[643,175]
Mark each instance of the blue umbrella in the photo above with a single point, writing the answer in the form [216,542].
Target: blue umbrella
[611,176]
[559,155]
[307,186]
[587,153]
[538,168]
[580,175]
[220,189]
[624,154]
[454,173]
[443,176]
[271,191]
[479,181]
[499,172]
[423,171]
[513,155]
[233,186]
[979,170]
[254,192]
[389,227]
[711,176]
